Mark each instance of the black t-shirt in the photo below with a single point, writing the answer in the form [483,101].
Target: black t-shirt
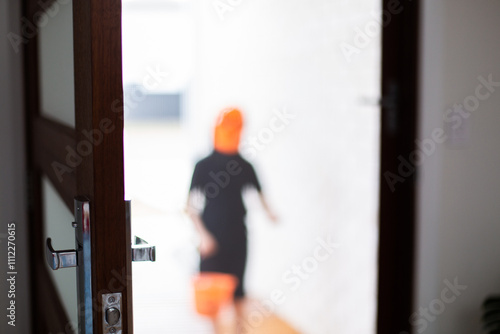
[221,178]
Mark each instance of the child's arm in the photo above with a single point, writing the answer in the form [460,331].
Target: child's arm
[267,208]
[208,244]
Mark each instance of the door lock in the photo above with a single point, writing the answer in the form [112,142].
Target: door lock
[112,308]
[81,258]
[112,316]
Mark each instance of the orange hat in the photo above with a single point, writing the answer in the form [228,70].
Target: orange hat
[228,130]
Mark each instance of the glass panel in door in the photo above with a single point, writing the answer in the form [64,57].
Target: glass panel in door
[56,75]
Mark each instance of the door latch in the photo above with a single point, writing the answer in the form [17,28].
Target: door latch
[112,309]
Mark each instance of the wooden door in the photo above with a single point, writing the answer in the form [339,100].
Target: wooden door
[83,157]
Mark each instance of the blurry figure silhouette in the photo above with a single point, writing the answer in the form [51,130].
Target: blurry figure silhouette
[215,204]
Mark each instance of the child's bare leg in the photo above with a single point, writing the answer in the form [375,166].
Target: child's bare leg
[216,325]
[239,306]
[227,320]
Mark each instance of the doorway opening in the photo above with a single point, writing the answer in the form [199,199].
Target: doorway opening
[308,90]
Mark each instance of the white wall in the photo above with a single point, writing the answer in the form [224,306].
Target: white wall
[320,170]
[12,169]
[459,184]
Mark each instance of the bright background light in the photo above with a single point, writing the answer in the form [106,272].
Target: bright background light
[320,171]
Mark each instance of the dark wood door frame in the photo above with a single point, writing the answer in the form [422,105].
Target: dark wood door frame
[400,64]
[99,176]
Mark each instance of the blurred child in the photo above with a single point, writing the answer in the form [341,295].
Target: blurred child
[220,179]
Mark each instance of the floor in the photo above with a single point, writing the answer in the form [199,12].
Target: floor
[273,325]
[157,182]
[163,294]
[256,322]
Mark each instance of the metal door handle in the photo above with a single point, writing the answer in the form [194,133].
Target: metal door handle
[60,259]
[141,252]
[81,258]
